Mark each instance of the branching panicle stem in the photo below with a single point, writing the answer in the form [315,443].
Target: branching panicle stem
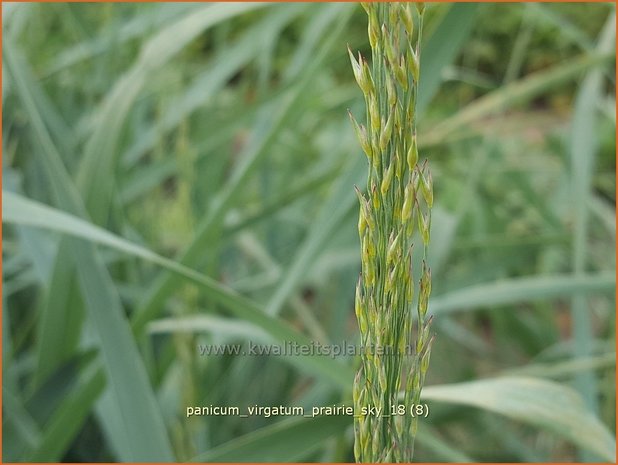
[398,202]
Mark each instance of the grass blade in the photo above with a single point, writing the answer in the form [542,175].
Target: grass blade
[441,448]
[271,121]
[583,146]
[336,207]
[19,210]
[517,92]
[519,290]
[134,398]
[99,161]
[131,30]
[209,324]
[67,420]
[228,62]
[62,315]
[541,403]
[286,441]
[442,48]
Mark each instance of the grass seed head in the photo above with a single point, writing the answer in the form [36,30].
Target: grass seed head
[389,215]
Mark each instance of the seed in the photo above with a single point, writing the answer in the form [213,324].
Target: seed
[386,132]
[361,133]
[374,115]
[401,73]
[408,203]
[427,189]
[362,223]
[392,249]
[388,178]
[390,90]
[413,66]
[406,19]
[412,156]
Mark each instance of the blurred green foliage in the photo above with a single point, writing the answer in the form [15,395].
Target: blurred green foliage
[217,136]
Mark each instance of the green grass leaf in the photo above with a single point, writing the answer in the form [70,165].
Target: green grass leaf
[228,61]
[141,420]
[541,403]
[518,92]
[286,441]
[521,290]
[583,146]
[98,164]
[19,210]
[442,48]
[338,204]
[272,119]
[67,419]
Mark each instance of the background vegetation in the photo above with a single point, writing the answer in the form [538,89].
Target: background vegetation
[181,174]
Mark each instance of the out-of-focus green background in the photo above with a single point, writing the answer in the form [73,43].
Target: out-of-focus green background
[182,174]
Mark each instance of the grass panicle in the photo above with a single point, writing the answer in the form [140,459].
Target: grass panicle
[397,204]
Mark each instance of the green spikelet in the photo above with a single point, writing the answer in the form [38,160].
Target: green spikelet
[397,204]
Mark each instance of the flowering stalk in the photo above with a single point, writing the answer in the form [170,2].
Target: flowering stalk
[398,203]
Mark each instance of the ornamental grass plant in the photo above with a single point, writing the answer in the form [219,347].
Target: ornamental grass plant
[397,204]
[180,176]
